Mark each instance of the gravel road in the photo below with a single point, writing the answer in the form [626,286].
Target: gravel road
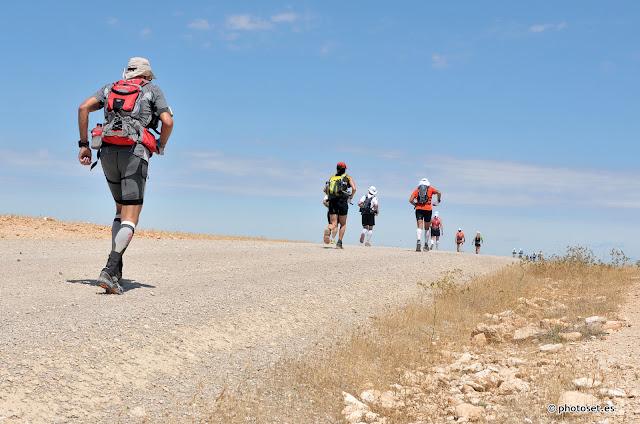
[197,315]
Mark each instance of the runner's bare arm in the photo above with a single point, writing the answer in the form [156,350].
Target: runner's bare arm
[88,106]
[439,196]
[353,186]
[411,199]
[167,127]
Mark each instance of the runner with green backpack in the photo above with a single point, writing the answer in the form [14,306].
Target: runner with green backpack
[340,188]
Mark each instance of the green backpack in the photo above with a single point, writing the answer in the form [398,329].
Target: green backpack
[338,186]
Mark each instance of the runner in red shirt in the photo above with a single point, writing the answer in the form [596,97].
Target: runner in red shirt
[420,199]
[436,230]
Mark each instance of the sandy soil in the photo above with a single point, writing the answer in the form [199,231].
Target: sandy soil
[13,227]
[197,315]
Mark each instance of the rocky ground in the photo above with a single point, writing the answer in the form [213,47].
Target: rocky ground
[517,363]
[197,316]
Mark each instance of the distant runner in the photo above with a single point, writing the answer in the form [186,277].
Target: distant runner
[514,252]
[436,230]
[459,239]
[477,241]
[132,106]
[520,253]
[340,188]
[420,199]
[369,209]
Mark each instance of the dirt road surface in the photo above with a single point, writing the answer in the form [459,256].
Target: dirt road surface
[197,315]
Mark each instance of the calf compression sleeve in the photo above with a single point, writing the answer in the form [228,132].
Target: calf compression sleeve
[369,234]
[419,234]
[115,227]
[123,237]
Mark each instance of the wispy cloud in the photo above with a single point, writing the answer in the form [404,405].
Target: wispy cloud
[439,61]
[146,32]
[199,24]
[285,17]
[247,23]
[538,28]
[327,48]
[112,21]
[238,171]
[518,184]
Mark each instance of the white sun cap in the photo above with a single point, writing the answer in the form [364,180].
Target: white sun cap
[425,181]
[373,191]
[138,67]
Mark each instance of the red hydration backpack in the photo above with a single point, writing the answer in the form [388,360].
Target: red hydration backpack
[122,111]
[435,223]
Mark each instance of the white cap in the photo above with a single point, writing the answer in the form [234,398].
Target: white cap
[436,213]
[459,229]
[138,67]
[424,181]
[373,191]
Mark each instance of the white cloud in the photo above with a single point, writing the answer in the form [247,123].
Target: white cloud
[247,23]
[326,48]
[273,175]
[145,32]
[286,17]
[439,61]
[199,24]
[479,181]
[538,28]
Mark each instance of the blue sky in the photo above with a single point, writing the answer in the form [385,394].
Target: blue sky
[525,116]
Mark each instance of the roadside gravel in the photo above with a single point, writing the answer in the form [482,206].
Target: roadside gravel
[197,315]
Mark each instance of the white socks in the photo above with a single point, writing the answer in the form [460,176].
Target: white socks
[124,236]
[369,234]
[419,234]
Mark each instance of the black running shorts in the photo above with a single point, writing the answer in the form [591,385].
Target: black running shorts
[339,206]
[368,219]
[423,215]
[435,232]
[125,172]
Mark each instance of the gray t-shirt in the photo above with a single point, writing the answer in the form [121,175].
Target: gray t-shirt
[152,100]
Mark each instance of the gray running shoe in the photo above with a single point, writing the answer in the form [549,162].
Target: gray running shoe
[426,247]
[367,244]
[418,245]
[109,282]
[339,244]
[108,278]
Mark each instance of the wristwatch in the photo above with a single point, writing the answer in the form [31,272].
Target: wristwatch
[83,143]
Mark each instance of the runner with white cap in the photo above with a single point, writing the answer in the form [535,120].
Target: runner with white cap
[420,199]
[132,107]
[436,230]
[369,209]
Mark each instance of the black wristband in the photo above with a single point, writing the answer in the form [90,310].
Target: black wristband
[83,143]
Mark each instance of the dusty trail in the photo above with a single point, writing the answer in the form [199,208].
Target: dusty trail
[197,314]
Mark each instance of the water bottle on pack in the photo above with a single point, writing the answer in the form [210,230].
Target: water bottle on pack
[96,137]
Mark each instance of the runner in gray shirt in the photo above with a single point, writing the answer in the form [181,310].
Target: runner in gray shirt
[132,106]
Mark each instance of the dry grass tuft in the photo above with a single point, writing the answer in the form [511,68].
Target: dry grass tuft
[423,334]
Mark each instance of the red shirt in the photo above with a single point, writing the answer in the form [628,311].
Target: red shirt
[427,205]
